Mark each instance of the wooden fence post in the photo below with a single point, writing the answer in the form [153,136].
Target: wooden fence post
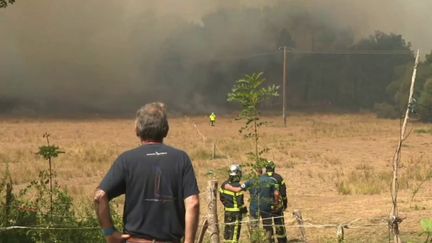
[214,151]
[340,233]
[299,218]
[212,217]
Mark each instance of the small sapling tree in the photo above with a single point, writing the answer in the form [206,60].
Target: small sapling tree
[48,152]
[250,93]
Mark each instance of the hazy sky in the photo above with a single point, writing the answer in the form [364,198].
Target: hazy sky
[103,53]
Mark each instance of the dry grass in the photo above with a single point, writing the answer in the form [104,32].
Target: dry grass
[321,157]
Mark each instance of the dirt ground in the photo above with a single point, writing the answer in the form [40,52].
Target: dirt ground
[337,167]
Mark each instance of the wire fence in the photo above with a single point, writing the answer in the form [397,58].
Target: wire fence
[205,139]
[308,225]
[46,227]
[248,221]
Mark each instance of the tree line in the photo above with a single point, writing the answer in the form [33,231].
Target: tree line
[327,65]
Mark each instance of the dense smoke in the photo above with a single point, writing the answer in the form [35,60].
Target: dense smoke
[71,57]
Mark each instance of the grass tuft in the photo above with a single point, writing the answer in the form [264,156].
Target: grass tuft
[364,180]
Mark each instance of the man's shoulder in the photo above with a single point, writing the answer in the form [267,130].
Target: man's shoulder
[277,176]
[253,180]
[173,149]
[235,184]
[268,179]
[224,183]
[251,183]
[131,151]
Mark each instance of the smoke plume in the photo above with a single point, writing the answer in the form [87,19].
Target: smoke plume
[74,57]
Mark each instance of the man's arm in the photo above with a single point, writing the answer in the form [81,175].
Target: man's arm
[103,209]
[232,188]
[191,218]
[276,193]
[284,194]
[277,196]
[103,214]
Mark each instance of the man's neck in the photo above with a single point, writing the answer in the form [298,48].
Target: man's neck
[145,142]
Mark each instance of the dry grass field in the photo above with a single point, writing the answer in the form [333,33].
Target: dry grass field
[337,167]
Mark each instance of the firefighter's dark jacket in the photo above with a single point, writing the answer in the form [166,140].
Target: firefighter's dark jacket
[232,201]
[282,187]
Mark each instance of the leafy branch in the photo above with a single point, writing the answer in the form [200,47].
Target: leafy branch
[249,93]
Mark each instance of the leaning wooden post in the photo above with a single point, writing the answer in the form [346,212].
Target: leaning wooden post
[213,225]
[202,231]
[395,220]
[214,151]
[299,218]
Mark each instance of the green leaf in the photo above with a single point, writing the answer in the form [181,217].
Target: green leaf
[49,151]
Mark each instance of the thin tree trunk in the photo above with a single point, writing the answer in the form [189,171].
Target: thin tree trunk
[256,138]
[51,192]
[394,215]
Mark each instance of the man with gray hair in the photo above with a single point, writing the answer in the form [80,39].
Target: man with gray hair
[161,192]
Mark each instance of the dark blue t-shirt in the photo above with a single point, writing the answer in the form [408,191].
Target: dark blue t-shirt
[261,191]
[155,179]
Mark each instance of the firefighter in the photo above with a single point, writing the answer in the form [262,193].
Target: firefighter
[278,209]
[234,206]
[264,195]
[212,119]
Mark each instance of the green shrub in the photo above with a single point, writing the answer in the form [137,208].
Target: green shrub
[425,102]
[423,131]
[426,225]
[385,110]
[30,207]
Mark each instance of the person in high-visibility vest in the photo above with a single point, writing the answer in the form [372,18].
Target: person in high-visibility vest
[212,119]
[278,209]
[234,207]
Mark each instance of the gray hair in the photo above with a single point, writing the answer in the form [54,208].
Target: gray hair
[151,122]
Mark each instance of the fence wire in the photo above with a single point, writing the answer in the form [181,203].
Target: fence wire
[248,221]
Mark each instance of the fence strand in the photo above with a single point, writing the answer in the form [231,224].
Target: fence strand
[13,227]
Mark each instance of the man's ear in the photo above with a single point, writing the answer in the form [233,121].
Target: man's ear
[137,131]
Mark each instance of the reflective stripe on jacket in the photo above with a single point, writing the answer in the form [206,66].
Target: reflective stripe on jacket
[232,201]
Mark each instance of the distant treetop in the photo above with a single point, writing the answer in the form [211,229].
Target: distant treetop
[4,3]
